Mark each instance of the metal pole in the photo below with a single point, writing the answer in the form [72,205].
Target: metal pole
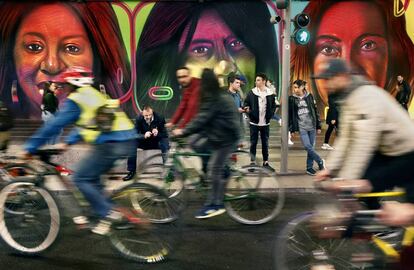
[285,89]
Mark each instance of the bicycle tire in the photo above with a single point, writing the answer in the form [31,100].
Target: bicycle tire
[253,195]
[36,228]
[296,248]
[147,242]
[168,179]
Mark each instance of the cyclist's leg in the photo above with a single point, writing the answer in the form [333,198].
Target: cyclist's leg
[217,163]
[199,143]
[99,161]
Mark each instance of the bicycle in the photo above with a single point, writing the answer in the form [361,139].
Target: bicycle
[253,194]
[32,226]
[348,237]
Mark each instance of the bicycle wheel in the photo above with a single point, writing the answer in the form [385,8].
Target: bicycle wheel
[297,247]
[32,226]
[146,242]
[253,195]
[168,179]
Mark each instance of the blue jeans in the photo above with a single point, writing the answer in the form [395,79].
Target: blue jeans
[48,117]
[146,144]
[100,160]
[308,141]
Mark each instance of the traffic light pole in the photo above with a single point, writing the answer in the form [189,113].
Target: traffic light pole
[285,90]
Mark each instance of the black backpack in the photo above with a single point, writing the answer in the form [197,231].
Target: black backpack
[6,118]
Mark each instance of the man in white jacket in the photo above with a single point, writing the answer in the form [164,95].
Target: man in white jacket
[375,148]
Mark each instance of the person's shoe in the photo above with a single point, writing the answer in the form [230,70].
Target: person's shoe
[290,142]
[252,165]
[210,211]
[326,146]
[321,165]
[114,219]
[129,176]
[267,166]
[311,171]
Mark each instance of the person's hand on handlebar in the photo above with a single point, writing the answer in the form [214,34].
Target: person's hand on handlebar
[397,214]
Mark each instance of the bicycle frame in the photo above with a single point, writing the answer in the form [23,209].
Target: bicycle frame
[408,236]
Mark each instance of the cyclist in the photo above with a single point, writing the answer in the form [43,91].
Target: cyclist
[375,148]
[219,120]
[81,108]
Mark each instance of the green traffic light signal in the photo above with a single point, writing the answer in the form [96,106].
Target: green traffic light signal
[301,36]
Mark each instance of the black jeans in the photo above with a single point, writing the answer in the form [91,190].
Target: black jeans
[264,137]
[147,144]
[328,133]
[387,172]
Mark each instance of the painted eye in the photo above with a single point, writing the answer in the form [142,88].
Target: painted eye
[200,51]
[34,47]
[330,50]
[72,49]
[369,45]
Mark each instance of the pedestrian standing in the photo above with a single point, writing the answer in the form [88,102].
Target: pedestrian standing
[304,119]
[331,121]
[260,105]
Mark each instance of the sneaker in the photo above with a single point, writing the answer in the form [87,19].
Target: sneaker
[103,227]
[114,219]
[210,211]
[267,166]
[311,171]
[326,146]
[252,165]
[129,176]
[321,165]
[290,142]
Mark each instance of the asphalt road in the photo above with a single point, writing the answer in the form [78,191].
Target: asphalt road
[218,243]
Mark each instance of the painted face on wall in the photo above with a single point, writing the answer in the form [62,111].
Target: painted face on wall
[49,39]
[355,32]
[213,42]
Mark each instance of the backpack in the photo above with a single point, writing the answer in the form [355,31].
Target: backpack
[6,118]
[105,115]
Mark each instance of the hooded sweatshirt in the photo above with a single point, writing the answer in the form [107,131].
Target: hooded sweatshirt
[262,106]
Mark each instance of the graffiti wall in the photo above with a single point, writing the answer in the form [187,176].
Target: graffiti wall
[135,47]
[372,35]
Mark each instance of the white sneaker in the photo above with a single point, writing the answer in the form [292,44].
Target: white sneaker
[102,228]
[326,146]
[290,142]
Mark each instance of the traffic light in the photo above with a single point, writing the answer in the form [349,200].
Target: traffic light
[282,4]
[301,35]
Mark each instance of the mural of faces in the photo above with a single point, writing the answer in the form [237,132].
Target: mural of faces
[45,47]
[41,40]
[212,42]
[226,36]
[355,32]
[365,33]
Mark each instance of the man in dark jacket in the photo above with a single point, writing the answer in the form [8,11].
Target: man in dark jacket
[404,93]
[152,134]
[304,118]
[260,105]
[218,120]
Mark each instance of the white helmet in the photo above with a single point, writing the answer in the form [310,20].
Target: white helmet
[78,76]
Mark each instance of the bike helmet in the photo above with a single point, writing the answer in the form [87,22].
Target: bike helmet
[78,76]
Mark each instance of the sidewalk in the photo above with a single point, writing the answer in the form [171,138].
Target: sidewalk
[295,181]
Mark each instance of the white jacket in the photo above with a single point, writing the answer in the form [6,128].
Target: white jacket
[371,121]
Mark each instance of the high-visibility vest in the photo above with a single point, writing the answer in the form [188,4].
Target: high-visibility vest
[89,100]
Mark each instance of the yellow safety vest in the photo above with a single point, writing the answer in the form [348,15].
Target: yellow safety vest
[89,100]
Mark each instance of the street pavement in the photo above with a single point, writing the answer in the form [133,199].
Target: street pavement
[218,243]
